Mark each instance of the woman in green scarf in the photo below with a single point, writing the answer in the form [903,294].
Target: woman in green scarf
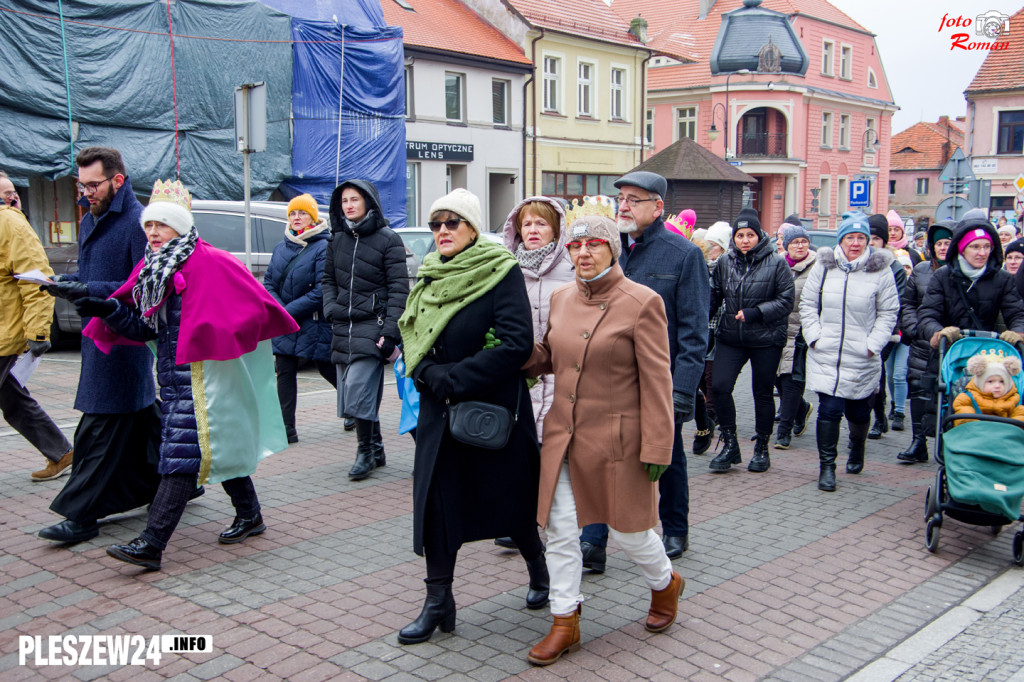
[466,332]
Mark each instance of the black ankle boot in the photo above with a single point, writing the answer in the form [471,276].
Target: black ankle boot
[827,434]
[705,429]
[858,436]
[379,459]
[438,611]
[761,461]
[880,426]
[537,596]
[730,453]
[918,450]
[783,439]
[365,462]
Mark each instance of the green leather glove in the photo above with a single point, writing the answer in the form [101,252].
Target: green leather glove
[654,471]
[490,340]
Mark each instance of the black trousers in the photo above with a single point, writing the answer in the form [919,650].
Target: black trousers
[764,363]
[288,367]
[23,413]
[879,405]
[172,496]
[792,399]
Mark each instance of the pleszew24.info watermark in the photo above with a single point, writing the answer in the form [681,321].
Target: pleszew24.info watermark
[993,25]
[107,649]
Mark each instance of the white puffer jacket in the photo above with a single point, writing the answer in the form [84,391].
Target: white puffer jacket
[855,316]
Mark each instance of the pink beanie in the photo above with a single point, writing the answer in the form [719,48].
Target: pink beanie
[977,233]
[894,219]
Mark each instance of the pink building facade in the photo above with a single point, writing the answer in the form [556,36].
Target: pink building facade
[796,134]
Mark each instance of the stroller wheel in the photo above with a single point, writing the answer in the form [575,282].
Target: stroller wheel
[930,506]
[1018,548]
[931,534]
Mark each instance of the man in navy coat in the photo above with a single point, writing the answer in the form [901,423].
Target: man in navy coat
[675,268]
[114,467]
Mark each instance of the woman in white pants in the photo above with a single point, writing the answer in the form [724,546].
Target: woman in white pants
[607,348]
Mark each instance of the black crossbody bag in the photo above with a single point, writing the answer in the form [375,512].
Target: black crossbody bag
[483,425]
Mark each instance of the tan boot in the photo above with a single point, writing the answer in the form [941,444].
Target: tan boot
[564,637]
[664,604]
[54,469]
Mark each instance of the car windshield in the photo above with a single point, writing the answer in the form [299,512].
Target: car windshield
[418,239]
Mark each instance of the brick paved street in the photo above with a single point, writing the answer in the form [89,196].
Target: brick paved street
[783,581]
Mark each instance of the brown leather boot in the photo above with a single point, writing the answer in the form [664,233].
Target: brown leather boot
[564,637]
[664,604]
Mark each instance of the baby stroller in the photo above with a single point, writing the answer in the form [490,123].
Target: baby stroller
[980,480]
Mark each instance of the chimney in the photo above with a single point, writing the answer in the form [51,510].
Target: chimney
[638,27]
[705,7]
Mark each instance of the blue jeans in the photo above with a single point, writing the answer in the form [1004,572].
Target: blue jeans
[673,507]
[896,375]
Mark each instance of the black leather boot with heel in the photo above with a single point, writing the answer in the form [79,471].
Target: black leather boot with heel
[858,438]
[438,612]
[730,453]
[365,462]
[827,434]
[760,462]
[537,595]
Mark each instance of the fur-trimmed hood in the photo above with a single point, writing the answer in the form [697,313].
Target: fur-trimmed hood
[877,258]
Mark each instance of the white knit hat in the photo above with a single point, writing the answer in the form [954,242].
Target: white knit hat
[169,204]
[464,203]
[719,233]
[596,227]
[983,365]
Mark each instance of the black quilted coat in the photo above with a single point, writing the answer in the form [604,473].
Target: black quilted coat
[760,284]
[913,296]
[365,279]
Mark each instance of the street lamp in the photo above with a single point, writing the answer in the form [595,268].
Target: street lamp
[870,141]
[713,131]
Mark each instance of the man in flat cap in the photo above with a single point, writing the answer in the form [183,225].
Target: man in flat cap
[674,267]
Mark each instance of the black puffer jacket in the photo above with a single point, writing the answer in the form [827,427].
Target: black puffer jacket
[913,296]
[179,435]
[761,285]
[365,279]
[993,293]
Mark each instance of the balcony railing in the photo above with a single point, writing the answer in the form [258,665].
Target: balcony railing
[763,144]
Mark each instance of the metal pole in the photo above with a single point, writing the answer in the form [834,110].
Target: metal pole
[245,173]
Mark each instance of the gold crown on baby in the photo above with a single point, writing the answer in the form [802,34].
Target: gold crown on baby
[590,205]
[173,191]
[992,355]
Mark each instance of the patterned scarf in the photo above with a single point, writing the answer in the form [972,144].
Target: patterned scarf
[157,271]
[532,259]
[445,288]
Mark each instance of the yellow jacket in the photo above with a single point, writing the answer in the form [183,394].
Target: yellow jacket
[1008,406]
[25,311]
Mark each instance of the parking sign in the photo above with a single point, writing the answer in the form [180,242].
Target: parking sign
[860,193]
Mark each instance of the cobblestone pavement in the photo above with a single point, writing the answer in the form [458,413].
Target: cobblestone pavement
[783,581]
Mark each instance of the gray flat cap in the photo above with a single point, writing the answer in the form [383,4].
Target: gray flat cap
[652,182]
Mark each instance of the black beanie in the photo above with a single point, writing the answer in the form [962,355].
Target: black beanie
[793,219]
[879,226]
[1016,246]
[748,218]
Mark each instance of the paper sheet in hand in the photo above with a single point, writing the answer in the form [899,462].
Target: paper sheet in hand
[23,367]
[35,276]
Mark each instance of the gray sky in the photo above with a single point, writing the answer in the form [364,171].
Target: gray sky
[927,78]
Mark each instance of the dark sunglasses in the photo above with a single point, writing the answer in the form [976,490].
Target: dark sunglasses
[451,224]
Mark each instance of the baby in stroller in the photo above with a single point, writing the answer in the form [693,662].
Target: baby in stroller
[991,390]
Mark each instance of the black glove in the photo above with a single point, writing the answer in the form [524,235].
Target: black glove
[72,291]
[37,348]
[387,348]
[95,307]
[682,405]
[435,378]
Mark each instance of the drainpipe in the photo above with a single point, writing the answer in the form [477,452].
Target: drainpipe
[642,117]
[533,81]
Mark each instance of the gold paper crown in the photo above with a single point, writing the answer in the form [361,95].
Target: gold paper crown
[172,191]
[992,355]
[595,205]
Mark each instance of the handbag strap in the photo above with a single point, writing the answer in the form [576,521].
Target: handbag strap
[970,309]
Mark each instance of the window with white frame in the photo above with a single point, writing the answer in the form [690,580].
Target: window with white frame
[844,131]
[500,90]
[649,127]
[828,50]
[825,196]
[921,186]
[686,122]
[408,92]
[585,89]
[617,95]
[872,79]
[842,195]
[453,96]
[872,137]
[552,84]
[846,62]
[826,129]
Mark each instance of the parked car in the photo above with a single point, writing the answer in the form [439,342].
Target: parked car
[222,224]
[820,238]
[420,241]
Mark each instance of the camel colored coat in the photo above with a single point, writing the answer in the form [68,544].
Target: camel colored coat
[607,346]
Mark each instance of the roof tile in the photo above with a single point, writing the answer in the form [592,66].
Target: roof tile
[591,18]
[924,144]
[1001,69]
[450,25]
